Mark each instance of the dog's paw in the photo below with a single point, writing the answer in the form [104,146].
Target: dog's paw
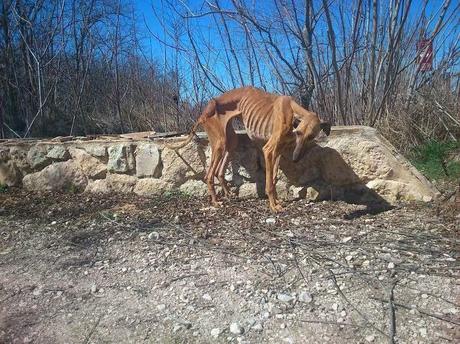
[217,204]
[276,208]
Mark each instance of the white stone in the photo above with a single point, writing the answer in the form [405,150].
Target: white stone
[154,235]
[257,327]
[215,332]
[423,332]
[285,297]
[305,297]
[236,328]
[147,160]
[370,338]
[347,239]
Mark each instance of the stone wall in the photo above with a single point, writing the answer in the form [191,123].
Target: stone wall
[353,163]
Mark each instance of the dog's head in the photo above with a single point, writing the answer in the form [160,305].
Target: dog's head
[305,131]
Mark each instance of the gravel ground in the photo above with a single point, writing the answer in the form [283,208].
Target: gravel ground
[123,269]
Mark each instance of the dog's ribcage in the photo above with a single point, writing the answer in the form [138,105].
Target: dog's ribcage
[257,116]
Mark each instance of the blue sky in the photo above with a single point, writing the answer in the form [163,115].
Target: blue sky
[206,28]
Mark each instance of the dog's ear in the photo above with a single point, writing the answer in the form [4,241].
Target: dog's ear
[326,127]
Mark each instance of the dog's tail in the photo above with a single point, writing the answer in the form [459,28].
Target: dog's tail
[187,140]
[208,111]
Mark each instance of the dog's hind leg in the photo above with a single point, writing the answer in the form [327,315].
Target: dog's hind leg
[230,146]
[216,157]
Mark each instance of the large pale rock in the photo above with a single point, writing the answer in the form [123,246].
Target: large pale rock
[9,173]
[393,190]
[18,154]
[357,156]
[184,164]
[147,160]
[121,159]
[60,176]
[121,183]
[89,165]
[194,188]
[98,186]
[37,157]
[151,187]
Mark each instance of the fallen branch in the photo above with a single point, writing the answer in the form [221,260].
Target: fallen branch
[420,311]
[391,313]
[361,314]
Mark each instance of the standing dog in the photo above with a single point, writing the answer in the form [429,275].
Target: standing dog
[275,121]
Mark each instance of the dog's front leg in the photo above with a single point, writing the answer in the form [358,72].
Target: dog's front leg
[275,178]
[270,155]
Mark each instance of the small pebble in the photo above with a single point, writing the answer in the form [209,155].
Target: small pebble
[423,332]
[215,332]
[236,328]
[305,297]
[285,297]
[270,220]
[370,338]
[257,327]
[154,236]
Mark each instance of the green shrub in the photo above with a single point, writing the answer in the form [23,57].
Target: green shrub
[433,159]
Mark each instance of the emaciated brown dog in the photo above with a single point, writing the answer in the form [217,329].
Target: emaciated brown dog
[274,121]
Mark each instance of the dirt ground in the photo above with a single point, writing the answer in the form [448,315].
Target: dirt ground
[123,269]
